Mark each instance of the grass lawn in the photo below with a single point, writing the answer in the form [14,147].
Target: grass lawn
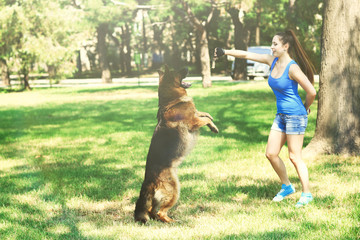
[72,163]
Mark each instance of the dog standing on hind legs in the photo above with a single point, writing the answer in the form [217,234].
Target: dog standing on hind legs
[174,137]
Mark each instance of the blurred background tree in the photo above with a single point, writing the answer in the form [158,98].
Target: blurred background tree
[106,38]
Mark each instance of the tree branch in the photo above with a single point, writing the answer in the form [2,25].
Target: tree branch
[191,16]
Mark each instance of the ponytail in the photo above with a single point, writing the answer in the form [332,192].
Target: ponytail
[297,52]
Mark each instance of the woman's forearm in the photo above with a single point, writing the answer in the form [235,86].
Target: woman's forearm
[236,53]
[309,100]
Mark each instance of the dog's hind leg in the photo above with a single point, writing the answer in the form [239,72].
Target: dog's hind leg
[168,195]
[144,202]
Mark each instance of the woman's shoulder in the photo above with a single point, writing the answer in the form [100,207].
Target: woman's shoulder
[274,60]
[293,62]
[294,70]
[292,65]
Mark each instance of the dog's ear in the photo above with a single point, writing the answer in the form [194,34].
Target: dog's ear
[166,69]
[161,73]
[184,72]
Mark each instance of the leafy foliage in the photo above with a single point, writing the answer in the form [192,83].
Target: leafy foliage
[53,31]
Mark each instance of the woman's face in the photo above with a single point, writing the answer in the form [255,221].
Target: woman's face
[278,47]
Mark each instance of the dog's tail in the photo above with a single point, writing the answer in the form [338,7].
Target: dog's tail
[143,204]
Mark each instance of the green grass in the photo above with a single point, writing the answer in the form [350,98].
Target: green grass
[72,163]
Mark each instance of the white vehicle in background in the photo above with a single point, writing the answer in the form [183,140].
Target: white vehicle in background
[256,69]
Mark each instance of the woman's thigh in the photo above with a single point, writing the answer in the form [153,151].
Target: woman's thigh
[295,144]
[275,142]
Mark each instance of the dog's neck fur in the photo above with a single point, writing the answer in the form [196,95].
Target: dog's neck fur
[167,107]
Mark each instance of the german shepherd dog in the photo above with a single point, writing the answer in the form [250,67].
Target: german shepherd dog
[174,137]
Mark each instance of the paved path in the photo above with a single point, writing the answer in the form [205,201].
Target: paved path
[97,82]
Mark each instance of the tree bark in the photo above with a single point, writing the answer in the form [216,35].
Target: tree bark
[101,45]
[290,15]
[203,42]
[158,43]
[127,41]
[205,59]
[175,52]
[5,75]
[241,42]
[258,21]
[26,81]
[338,120]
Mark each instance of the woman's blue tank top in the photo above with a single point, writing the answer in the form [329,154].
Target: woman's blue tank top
[288,100]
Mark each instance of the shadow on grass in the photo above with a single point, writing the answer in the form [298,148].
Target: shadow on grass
[114,89]
[342,167]
[228,190]
[63,171]
[55,184]
[95,118]
[240,115]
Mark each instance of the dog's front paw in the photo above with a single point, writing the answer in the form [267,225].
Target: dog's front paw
[205,114]
[213,128]
[209,116]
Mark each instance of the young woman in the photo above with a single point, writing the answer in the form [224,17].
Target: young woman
[291,118]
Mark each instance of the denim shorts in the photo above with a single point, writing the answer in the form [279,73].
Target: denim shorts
[290,124]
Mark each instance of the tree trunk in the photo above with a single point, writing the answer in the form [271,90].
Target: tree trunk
[241,42]
[122,55]
[145,47]
[203,42]
[5,76]
[101,45]
[258,21]
[26,85]
[291,15]
[338,120]
[158,45]
[116,59]
[128,48]
[205,60]
[175,52]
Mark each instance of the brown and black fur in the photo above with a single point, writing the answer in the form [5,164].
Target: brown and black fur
[174,137]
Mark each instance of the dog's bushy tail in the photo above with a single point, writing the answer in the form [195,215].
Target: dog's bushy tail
[143,204]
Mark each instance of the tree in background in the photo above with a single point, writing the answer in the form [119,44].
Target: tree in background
[11,32]
[338,120]
[52,36]
[102,16]
[26,60]
[304,17]
[51,30]
[200,26]
[267,17]
[241,34]
[38,36]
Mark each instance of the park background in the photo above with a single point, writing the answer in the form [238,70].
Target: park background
[72,158]
[106,39]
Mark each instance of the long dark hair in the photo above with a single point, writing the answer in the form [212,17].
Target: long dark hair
[297,52]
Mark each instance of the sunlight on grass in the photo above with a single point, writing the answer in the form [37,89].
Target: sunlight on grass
[72,162]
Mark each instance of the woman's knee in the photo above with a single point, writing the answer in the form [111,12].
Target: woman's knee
[271,155]
[295,158]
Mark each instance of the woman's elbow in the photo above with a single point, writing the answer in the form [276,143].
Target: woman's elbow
[312,93]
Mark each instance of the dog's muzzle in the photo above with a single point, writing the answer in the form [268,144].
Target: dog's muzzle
[185,84]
